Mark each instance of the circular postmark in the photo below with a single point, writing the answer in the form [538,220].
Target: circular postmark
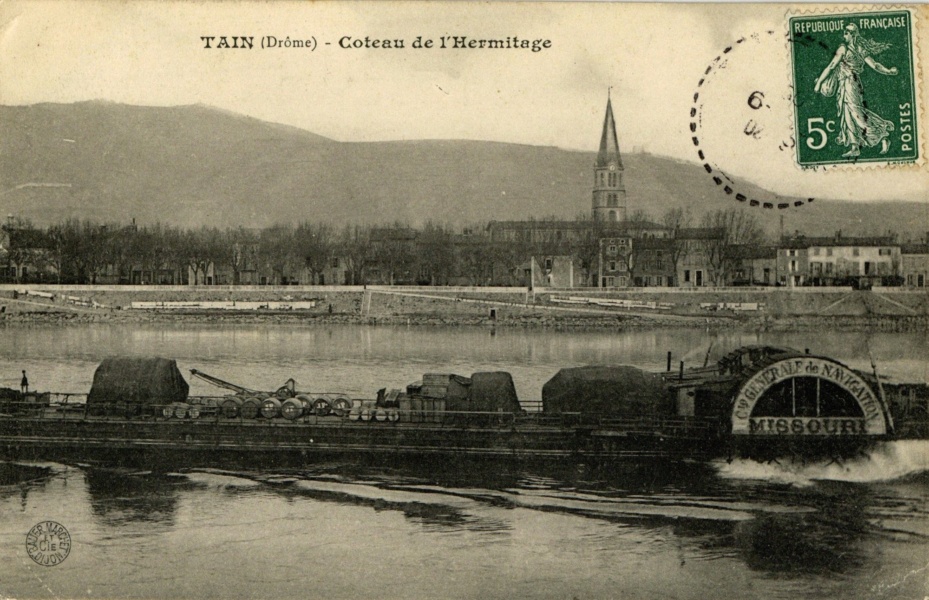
[48,543]
[740,114]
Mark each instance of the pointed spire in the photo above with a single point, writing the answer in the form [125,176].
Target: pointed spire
[609,145]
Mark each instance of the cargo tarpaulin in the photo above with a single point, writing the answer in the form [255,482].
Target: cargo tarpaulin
[493,392]
[137,382]
[482,392]
[617,391]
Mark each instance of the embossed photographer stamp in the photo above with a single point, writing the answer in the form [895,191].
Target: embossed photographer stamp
[48,543]
[855,88]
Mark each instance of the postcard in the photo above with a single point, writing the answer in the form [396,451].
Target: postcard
[463,299]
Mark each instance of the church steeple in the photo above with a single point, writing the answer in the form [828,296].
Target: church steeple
[609,194]
[609,145]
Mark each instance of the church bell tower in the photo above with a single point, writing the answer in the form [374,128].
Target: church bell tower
[609,195]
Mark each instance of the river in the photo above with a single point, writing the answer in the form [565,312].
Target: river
[858,529]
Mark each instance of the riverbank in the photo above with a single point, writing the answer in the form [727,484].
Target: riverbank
[757,309]
[545,321]
[303,318]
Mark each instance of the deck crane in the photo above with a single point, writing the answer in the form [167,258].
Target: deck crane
[285,401]
[222,383]
[249,403]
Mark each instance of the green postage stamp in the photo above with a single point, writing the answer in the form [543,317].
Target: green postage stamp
[855,88]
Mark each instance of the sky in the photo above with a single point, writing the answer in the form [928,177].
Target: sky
[648,57]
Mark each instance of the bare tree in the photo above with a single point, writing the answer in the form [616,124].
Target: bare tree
[202,249]
[354,246]
[476,257]
[27,245]
[155,249]
[587,248]
[239,252]
[437,254]
[83,249]
[314,243]
[639,216]
[734,226]
[395,251]
[676,219]
[276,251]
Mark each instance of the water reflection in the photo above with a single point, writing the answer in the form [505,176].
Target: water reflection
[118,497]
[771,528]
[704,532]
[12,474]
[468,495]
[431,510]
[802,543]
[18,480]
[834,529]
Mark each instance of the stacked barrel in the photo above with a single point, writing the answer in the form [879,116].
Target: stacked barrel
[193,408]
[285,404]
[181,410]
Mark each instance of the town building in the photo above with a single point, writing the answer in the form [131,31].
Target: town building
[914,265]
[754,264]
[393,256]
[700,257]
[555,272]
[26,255]
[838,260]
[615,261]
[651,262]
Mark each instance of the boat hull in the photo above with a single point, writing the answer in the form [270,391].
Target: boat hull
[214,441]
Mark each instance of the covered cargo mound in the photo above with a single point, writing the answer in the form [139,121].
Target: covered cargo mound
[493,391]
[136,383]
[483,392]
[621,391]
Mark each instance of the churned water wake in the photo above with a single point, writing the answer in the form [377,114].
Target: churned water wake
[465,504]
[886,461]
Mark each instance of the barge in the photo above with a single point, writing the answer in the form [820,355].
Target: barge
[758,402]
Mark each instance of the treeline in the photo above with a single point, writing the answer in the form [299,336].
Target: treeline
[87,252]
[81,251]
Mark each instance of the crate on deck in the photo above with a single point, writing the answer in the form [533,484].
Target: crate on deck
[445,397]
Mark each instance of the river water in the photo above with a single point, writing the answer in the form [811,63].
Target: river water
[858,529]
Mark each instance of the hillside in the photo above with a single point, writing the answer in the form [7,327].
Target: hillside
[195,165]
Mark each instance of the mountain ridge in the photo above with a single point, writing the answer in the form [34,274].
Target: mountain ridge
[196,165]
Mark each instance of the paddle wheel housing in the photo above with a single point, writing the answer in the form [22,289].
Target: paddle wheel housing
[796,394]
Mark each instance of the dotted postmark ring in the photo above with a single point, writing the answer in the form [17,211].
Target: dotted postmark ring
[756,101]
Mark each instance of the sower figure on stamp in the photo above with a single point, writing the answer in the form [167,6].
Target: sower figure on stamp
[858,126]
